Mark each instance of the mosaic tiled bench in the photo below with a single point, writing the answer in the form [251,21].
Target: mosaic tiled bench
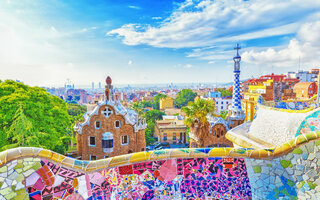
[289,171]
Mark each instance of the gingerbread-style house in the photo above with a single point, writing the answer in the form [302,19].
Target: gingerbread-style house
[110,129]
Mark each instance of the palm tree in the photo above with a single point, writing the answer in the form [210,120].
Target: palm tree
[196,117]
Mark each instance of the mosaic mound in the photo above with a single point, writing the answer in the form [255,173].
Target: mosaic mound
[289,171]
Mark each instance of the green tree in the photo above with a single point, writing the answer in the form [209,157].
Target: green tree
[76,112]
[136,106]
[196,118]
[224,92]
[148,135]
[223,114]
[151,117]
[183,97]
[21,131]
[156,100]
[33,111]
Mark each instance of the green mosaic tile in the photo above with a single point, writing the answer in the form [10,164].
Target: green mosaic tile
[6,191]
[317,142]
[10,195]
[276,191]
[18,166]
[257,169]
[300,185]
[20,178]
[285,163]
[285,192]
[22,197]
[269,165]
[36,166]
[26,168]
[297,151]
[21,192]
[290,183]
[311,185]
[3,169]
[293,197]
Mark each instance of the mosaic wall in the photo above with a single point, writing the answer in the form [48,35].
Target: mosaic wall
[289,171]
[294,106]
[295,175]
[310,123]
[181,178]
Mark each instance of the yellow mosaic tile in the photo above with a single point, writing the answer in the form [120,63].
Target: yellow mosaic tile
[118,160]
[140,156]
[45,153]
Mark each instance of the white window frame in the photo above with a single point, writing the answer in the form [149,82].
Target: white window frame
[115,123]
[122,140]
[95,124]
[107,136]
[95,142]
[93,155]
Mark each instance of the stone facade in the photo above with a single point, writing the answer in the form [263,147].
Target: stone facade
[135,141]
[171,129]
[110,129]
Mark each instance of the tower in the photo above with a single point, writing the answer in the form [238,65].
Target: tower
[236,114]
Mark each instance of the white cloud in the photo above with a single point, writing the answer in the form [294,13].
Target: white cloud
[156,18]
[130,62]
[203,23]
[135,7]
[188,66]
[306,47]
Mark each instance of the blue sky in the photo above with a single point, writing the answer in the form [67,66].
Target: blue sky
[145,41]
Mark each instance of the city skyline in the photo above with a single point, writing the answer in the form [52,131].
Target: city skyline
[144,42]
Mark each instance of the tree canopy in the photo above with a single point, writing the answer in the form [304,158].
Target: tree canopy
[196,114]
[151,117]
[30,116]
[224,92]
[183,97]
[140,105]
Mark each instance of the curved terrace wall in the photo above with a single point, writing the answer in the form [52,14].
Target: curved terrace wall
[223,173]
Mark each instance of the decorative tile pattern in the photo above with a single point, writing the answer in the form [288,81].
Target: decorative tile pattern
[288,171]
[181,178]
[310,123]
[295,175]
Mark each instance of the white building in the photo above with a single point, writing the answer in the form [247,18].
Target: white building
[303,76]
[222,103]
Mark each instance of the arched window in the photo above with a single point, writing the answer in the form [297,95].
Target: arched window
[107,142]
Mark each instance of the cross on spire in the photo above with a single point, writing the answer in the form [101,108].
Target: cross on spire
[237,48]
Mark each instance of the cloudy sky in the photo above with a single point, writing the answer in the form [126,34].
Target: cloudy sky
[146,41]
